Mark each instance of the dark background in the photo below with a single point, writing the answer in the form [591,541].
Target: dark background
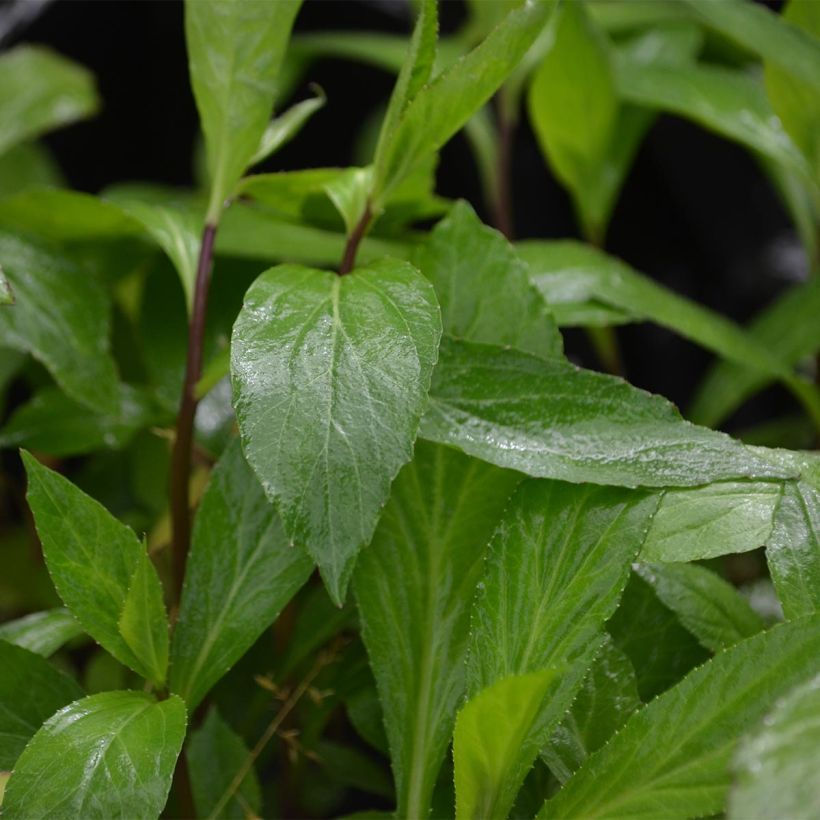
[696,213]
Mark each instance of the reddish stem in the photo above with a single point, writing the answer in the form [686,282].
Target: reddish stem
[353,242]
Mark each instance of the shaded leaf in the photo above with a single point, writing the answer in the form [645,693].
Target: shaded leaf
[41,632]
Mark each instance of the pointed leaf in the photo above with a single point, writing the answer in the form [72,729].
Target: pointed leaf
[116,753]
[640,772]
[60,316]
[776,765]
[483,288]
[215,755]
[42,632]
[235,49]
[31,691]
[709,607]
[92,559]
[330,378]
[421,569]
[793,551]
[240,574]
[282,129]
[551,419]
[39,91]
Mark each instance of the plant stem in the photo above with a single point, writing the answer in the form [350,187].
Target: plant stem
[503,203]
[182,787]
[181,454]
[354,240]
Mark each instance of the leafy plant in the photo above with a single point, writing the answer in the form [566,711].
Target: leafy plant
[358,509]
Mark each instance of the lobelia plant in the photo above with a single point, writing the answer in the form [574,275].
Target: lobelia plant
[368,513]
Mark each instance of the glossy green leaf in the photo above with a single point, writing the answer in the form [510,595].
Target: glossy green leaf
[31,691]
[555,571]
[727,101]
[55,424]
[640,772]
[349,192]
[116,753]
[330,378]
[282,129]
[28,165]
[553,420]
[39,91]
[235,49]
[59,316]
[483,288]
[606,699]
[41,632]
[441,108]
[240,574]
[787,328]
[709,607]
[717,519]
[764,32]
[215,755]
[574,108]
[93,561]
[660,650]
[776,765]
[421,569]
[793,551]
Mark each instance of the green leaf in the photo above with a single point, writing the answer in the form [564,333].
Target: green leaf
[41,632]
[555,571]
[235,50]
[483,288]
[282,129]
[116,753]
[640,772]
[726,101]
[28,165]
[709,607]
[31,691]
[793,551]
[717,519]
[60,316]
[40,91]
[330,378]
[787,328]
[764,32]
[660,650]
[441,108]
[55,424]
[606,699]
[776,765]
[553,420]
[240,574]
[215,755]
[421,569]
[349,192]
[574,109]
[94,560]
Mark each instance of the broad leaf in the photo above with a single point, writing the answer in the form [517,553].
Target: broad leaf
[39,91]
[793,551]
[98,566]
[41,632]
[709,607]
[441,108]
[483,288]
[574,109]
[787,328]
[60,316]
[421,569]
[776,765]
[555,571]
[640,772]
[215,755]
[28,165]
[235,49]
[717,519]
[31,691]
[116,753]
[553,420]
[606,699]
[240,573]
[330,378]
[55,424]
